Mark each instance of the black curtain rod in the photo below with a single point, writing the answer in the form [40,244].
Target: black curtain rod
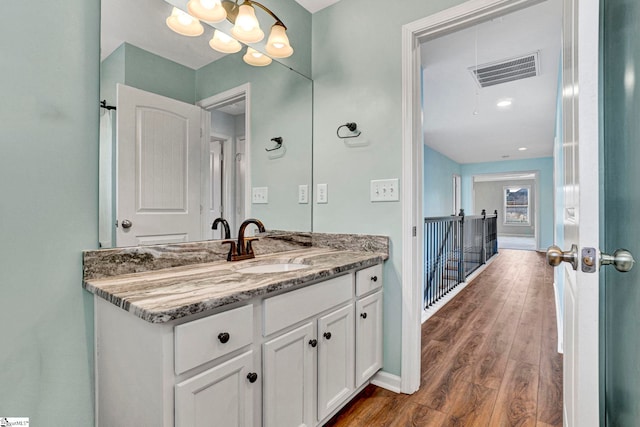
[103,104]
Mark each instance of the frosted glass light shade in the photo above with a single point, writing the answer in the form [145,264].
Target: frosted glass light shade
[278,43]
[255,58]
[207,10]
[223,43]
[247,29]
[184,24]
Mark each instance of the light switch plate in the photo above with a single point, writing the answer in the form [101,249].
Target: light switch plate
[260,195]
[323,195]
[303,194]
[384,190]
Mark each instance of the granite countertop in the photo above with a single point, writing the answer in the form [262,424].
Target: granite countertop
[164,295]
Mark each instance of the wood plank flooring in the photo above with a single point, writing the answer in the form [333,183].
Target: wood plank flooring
[489,357]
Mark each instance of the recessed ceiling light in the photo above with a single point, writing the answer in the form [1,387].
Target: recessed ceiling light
[522,149]
[504,103]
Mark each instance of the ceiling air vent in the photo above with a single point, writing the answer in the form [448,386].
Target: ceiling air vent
[508,70]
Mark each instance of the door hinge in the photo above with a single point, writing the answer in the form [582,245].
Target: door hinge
[415,231]
[201,132]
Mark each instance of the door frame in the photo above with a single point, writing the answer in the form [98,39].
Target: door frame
[458,17]
[215,100]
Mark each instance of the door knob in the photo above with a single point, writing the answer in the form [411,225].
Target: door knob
[621,259]
[126,223]
[555,256]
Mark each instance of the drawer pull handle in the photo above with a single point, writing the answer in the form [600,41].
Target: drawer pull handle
[224,337]
[252,377]
[327,335]
[363,315]
[374,278]
[313,343]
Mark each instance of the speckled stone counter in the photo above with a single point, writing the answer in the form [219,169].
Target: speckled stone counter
[164,295]
[114,262]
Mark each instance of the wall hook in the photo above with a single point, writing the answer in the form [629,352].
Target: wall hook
[352,126]
[278,141]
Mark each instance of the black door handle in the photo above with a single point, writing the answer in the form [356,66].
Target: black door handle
[313,343]
[327,335]
[252,377]
[363,315]
[224,337]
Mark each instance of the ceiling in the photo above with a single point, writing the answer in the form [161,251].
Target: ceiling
[451,94]
[142,24]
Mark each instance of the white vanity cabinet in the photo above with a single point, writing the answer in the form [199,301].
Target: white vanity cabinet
[368,316]
[289,362]
[222,395]
[288,358]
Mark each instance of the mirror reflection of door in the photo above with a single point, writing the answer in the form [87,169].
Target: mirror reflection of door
[158,148]
[226,172]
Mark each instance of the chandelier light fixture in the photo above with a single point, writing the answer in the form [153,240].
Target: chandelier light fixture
[246,28]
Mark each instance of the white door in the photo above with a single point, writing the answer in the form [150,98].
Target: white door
[289,362]
[158,169]
[221,396]
[368,337]
[213,187]
[335,359]
[580,211]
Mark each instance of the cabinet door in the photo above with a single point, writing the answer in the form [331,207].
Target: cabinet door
[335,359]
[220,396]
[368,337]
[289,362]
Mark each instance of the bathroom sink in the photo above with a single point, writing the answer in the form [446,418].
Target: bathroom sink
[272,268]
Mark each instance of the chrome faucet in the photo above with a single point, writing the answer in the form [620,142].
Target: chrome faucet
[243,249]
[225,224]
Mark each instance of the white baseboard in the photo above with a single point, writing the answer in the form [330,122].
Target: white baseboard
[387,381]
[559,319]
[426,314]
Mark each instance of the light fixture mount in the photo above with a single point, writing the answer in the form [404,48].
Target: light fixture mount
[232,8]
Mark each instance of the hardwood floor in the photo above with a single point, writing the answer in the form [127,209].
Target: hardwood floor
[489,357]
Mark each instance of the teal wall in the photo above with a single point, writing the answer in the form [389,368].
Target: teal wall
[138,68]
[543,165]
[438,183]
[357,78]
[49,209]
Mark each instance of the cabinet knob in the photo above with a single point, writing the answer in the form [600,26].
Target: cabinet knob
[224,337]
[313,343]
[252,377]
[363,315]
[327,335]
[374,278]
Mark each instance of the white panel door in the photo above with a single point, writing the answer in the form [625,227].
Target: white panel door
[221,396]
[289,363]
[581,209]
[158,169]
[335,359]
[368,337]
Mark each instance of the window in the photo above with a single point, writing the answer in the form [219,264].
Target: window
[516,205]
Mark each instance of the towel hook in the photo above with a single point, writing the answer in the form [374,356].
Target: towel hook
[352,126]
[278,141]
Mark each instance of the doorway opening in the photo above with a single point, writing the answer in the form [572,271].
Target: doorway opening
[226,158]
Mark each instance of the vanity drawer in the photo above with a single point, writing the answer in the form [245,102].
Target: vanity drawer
[368,279]
[208,338]
[292,307]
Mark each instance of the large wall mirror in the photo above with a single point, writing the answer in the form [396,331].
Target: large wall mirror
[160,180]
